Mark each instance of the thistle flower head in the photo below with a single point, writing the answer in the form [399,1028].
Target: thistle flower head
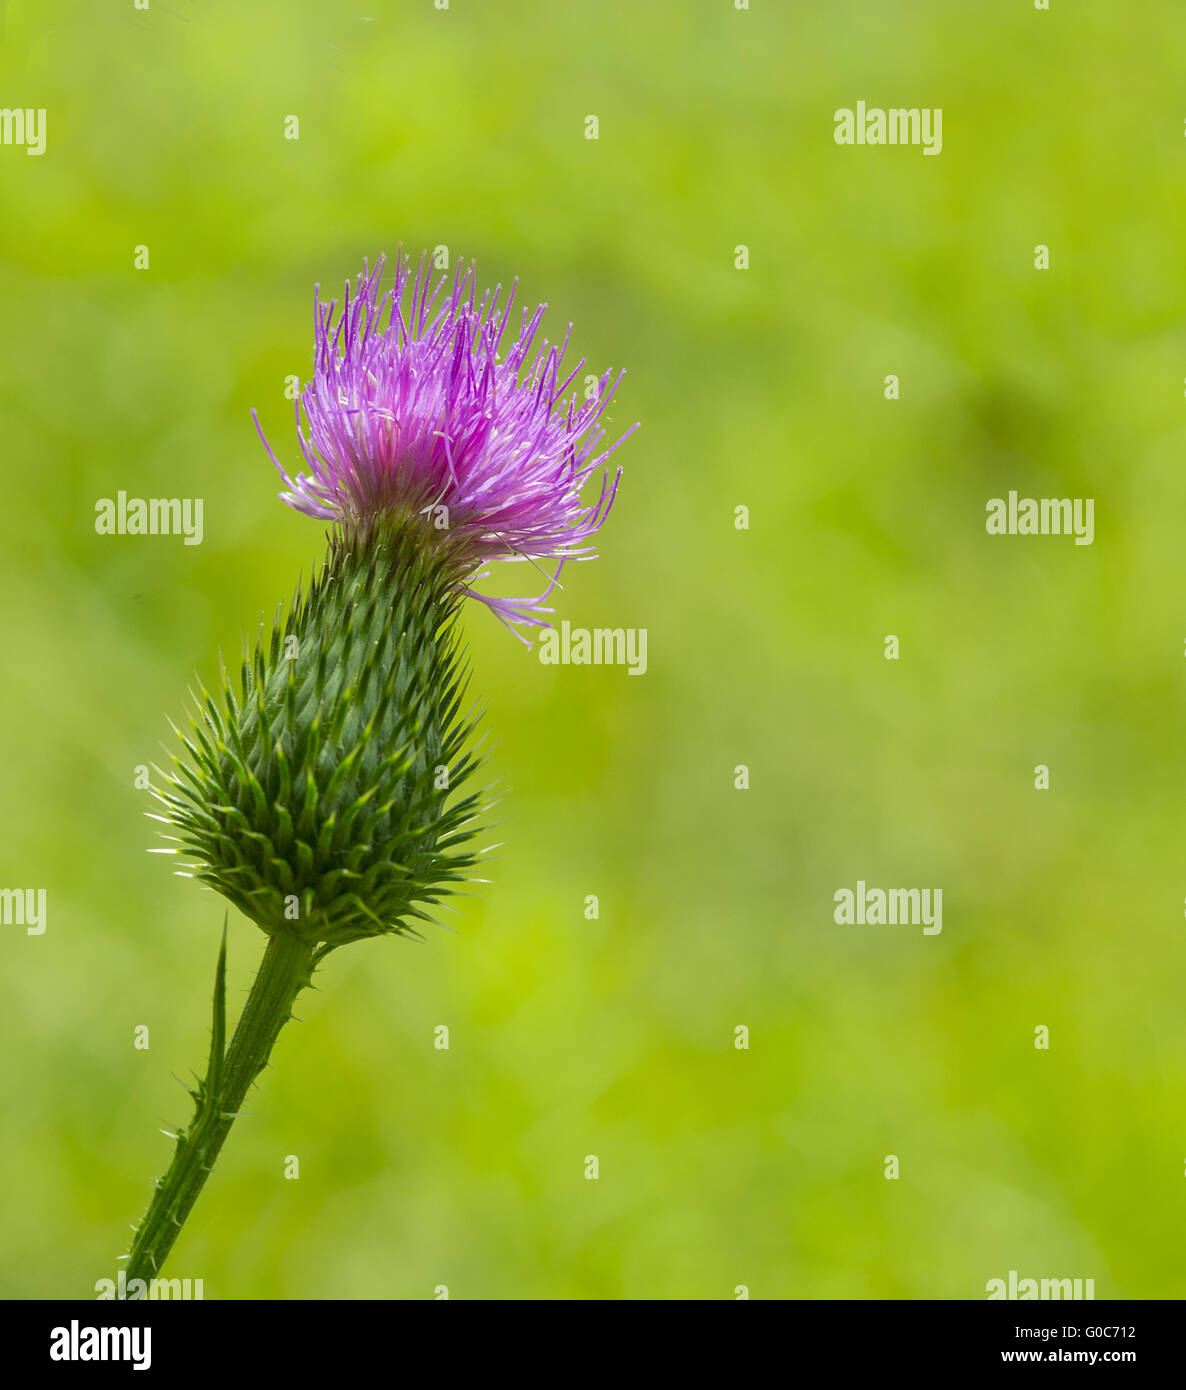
[325,797]
[422,405]
[320,796]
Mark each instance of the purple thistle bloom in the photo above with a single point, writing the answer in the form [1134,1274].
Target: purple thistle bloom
[410,410]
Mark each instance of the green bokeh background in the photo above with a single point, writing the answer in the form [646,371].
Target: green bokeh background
[718,1167]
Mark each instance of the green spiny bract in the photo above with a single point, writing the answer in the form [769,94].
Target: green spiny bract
[318,798]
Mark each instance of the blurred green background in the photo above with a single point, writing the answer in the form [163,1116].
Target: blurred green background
[719,1167]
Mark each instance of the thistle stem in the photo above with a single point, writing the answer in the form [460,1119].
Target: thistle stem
[287,967]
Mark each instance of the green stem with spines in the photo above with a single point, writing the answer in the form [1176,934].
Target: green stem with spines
[311,799]
[286,969]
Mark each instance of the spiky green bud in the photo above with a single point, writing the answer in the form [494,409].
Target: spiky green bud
[320,797]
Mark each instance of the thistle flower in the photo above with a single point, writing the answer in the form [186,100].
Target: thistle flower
[320,799]
[321,796]
[415,410]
